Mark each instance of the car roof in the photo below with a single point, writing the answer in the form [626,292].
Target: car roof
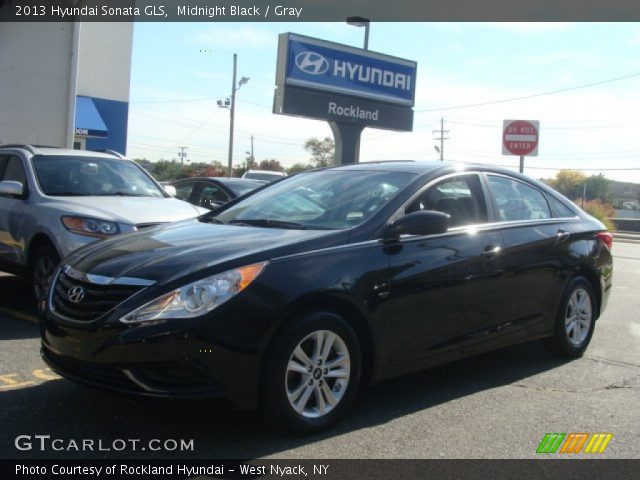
[269,172]
[422,167]
[224,180]
[56,151]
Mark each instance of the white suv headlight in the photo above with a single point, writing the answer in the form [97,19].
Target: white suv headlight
[197,298]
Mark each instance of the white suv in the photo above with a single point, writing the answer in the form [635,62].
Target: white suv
[53,201]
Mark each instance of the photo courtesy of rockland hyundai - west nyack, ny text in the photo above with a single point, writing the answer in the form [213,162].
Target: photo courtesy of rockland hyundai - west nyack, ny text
[319,239]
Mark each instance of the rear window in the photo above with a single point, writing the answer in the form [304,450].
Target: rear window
[560,209]
[516,200]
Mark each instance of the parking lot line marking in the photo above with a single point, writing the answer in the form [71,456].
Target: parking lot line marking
[20,315]
[11,383]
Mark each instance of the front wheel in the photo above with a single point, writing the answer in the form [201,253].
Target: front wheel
[575,320]
[311,373]
[44,264]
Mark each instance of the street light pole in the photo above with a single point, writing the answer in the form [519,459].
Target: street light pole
[231,116]
[361,22]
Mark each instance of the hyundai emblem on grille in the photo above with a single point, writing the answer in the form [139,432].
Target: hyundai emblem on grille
[76,294]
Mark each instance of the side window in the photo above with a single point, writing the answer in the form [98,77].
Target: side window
[560,209]
[517,201]
[460,197]
[212,196]
[14,171]
[184,189]
[3,162]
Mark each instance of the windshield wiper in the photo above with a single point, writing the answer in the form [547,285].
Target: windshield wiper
[268,223]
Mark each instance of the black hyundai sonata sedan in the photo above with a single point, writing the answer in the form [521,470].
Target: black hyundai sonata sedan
[294,297]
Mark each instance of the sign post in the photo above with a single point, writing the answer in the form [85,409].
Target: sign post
[520,137]
[349,87]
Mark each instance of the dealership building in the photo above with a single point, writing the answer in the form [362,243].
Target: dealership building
[65,84]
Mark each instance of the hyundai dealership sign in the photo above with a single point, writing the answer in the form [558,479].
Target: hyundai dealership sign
[326,80]
[332,67]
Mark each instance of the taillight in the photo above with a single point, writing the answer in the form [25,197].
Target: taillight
[606,238]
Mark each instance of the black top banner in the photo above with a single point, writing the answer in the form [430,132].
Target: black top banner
[317,10]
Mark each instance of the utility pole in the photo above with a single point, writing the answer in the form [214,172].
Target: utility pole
[182,154]
[253,159]
[441,138]
[230,103]
[233,111]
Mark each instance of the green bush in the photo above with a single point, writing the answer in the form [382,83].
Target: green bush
[601,211]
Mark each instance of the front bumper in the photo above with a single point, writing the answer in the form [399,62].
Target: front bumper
[177,359]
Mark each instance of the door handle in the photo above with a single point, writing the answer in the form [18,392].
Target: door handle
[562,236]
[491,251]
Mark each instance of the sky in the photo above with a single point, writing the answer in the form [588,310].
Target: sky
[179,70]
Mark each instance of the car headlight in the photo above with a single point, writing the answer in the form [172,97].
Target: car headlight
[197,298]
[92,227]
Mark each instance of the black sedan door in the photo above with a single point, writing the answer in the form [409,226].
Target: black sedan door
[446,289]
[534,256]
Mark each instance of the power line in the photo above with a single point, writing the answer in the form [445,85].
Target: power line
[535,95]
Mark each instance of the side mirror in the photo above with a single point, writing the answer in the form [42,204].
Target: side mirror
[424,222]
[9,188]
[171,190]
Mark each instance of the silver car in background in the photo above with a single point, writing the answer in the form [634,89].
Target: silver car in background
[54,201]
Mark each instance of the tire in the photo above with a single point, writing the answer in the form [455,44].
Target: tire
[44,262]
[329,387]
[577,308]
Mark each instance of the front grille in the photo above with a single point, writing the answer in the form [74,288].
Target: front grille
[97,299]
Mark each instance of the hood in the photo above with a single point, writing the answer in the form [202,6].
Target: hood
[128,210]
[169,252]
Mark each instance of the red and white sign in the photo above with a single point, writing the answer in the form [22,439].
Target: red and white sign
[520,137]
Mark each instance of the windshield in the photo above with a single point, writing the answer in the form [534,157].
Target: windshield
[330,199]
[92,176]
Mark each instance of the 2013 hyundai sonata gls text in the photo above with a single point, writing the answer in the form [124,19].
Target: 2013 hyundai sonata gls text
[292,298]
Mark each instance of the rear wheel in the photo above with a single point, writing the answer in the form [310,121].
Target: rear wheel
[311,373]
[44,264]
[575,320]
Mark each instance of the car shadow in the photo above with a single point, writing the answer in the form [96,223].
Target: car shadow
[17,309]
[65,410]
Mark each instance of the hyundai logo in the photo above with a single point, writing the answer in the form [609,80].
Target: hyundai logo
[75,294]
[312,63]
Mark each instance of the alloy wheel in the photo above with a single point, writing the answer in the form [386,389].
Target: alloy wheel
[578,316]
[317,374]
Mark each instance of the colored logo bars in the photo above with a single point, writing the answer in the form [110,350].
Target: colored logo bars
[574,443]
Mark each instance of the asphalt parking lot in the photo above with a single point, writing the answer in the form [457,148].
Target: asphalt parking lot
[498,405]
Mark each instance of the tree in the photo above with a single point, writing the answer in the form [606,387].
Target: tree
[598,187]
[271,164]
[568,182]
[297,168]
[167,170]
[574,184]
[323,152]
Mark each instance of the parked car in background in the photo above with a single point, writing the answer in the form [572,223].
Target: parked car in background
[304,291]
[211,192]
[266,175]
[53,201]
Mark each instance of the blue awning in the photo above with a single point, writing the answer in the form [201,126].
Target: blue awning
[89,123]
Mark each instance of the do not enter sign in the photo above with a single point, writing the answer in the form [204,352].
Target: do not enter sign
[520,137]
